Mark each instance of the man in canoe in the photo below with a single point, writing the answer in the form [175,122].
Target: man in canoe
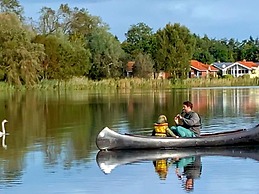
[161,128]
[188,123]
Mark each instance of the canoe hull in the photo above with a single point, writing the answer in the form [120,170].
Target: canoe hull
[108,139]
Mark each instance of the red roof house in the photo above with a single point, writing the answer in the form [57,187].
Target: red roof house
[199,69]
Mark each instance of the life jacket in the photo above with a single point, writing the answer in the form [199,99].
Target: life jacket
[160,129]
[161,168]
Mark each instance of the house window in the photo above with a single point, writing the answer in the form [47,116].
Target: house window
[199,74]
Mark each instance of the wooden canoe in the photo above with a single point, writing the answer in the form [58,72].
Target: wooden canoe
[108,139]
[109,160]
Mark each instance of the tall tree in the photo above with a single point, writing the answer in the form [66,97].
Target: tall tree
[106,55]
[20,58]
[201,52]
[143,66]
[139,39]
[175,47]
[12,6]
[64,59]
[69,21]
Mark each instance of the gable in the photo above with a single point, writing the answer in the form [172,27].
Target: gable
[239,64]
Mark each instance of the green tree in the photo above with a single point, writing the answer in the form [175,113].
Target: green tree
[106,55]
[74,22]
[20,59]
[139,39]
[143,66]
[201,52]
[64,59]
[249,49]
[175,47]
[12,6]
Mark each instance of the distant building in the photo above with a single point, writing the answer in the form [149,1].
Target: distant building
[201,70]
[129,69]
[237,69]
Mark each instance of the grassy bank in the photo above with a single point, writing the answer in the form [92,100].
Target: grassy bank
[135,83]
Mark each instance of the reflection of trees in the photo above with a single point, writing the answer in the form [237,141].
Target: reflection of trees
[53,121]
[63,125]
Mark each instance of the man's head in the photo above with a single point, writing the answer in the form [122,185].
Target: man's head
[187,106]
[189,184]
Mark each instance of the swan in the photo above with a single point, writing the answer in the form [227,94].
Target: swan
[3,128]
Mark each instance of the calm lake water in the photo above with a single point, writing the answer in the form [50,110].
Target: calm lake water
[51,143]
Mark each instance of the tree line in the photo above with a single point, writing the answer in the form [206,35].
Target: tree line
[71,42]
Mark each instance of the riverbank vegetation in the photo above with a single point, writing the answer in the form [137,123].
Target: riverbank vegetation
[70,48]
[82,83]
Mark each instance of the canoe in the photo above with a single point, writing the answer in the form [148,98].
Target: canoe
[108,139]
[109,160]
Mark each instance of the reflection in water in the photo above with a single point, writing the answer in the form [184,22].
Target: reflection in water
[61,126]
[186,162]
[3,142]
[191,170]
[187,169]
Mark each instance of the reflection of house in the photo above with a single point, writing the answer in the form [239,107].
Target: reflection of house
[199,69]
[238,68]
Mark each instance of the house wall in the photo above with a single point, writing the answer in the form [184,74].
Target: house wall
[236,70]
[254,73]
[202,74]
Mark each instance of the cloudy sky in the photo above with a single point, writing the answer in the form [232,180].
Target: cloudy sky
[216,18]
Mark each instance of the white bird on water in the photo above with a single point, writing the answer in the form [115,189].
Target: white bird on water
[3,128]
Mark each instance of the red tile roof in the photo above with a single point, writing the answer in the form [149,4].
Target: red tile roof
[248,64]
[202,67]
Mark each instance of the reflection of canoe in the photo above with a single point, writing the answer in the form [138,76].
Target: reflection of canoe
[108,139]
[108,160]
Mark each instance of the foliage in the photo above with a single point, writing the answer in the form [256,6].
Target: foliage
[227,76]
[74,22]
[71,42]
[143,67]
[12,6]
[19,58]
[106,54]
[175,46]
[64,59]
[139,39]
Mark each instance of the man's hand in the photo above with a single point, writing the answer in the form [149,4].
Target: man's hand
[179,116]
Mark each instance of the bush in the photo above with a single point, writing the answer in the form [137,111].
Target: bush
[227,76]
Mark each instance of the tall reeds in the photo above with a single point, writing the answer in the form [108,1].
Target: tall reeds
[81,83]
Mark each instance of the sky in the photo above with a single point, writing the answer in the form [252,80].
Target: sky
[217,19]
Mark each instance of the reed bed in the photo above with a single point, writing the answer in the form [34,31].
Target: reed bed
[81,83]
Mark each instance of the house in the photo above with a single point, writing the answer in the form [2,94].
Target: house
[129,68]
[202,70]
[237,69]
[254,68]
[162,75]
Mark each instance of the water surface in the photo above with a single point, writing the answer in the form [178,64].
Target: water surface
[51,145]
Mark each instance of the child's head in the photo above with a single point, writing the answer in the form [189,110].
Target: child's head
[162,119]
